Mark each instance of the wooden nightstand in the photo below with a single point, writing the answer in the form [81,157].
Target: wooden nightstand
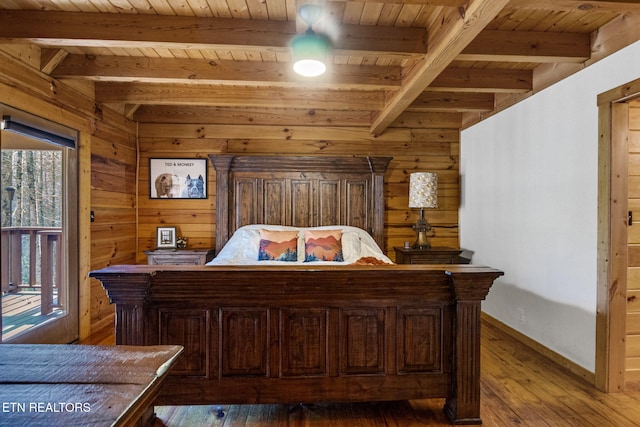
[179,256]
[427,256]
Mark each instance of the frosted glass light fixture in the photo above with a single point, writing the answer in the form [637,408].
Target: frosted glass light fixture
[310,50]
[423,193]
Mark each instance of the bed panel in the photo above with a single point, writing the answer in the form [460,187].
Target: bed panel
[301,191]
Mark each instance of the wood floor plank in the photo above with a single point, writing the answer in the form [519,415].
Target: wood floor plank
[570,398]
[427,412]
[500,370]
[277,417]
[519,387]
[340,415]
[498,413]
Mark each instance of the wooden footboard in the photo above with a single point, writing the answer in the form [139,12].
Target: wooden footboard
[300,334]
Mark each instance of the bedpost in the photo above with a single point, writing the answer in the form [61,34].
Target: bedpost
[470,288]
[222,164]
[130,293]
[378,167]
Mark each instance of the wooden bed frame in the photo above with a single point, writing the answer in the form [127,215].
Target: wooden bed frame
[302,334]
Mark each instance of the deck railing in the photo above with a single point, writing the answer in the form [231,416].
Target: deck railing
[32,258]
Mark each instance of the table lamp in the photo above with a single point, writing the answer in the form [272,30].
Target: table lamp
[423,193]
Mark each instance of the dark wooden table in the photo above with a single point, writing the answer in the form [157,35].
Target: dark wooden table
[78,385]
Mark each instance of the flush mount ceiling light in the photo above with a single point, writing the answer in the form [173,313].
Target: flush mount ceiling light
[309,50]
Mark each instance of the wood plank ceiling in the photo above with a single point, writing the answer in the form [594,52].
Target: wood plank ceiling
[185,60]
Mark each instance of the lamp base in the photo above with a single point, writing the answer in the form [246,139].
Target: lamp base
[421,227]
[422,241]
[420,244]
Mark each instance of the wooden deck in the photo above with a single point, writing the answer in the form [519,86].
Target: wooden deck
[21,311]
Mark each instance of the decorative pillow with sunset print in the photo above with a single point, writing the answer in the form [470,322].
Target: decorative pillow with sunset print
[323,245]
[278,245]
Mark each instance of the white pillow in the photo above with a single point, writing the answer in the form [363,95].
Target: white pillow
[242,247]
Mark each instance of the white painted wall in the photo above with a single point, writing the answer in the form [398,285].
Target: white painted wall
[529,207]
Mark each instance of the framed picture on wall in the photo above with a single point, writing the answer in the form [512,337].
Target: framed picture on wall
[178,178]
[166,238]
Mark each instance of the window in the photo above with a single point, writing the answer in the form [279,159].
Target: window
[39,230]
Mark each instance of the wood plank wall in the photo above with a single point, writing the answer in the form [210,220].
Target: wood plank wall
[107,172]
[633,273]
[113,203]
[428,142]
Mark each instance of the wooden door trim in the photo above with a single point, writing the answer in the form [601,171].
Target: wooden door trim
[612,236]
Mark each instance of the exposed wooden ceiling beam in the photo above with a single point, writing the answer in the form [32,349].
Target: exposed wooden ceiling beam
[195,71]
[133,30]
[455,30]
[452,3]
[172,70]
[155,31]
[527,46]
[572,5]
[237,96]
[425,103]
[483,80]
[460,81]
[453,101]
[125,30]
[311,117]
[250,116]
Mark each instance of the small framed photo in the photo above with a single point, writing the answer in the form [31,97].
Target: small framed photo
[166,238]
[178,178]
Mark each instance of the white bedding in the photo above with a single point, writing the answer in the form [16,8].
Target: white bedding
[242,247]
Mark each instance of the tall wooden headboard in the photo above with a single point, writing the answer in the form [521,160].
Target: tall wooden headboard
[300,191]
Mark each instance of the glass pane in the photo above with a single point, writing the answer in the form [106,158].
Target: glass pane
[32,239]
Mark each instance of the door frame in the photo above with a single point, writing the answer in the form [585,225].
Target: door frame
[64,328]
[613,166]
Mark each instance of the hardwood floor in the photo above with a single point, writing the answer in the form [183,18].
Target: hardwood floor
[519,387]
